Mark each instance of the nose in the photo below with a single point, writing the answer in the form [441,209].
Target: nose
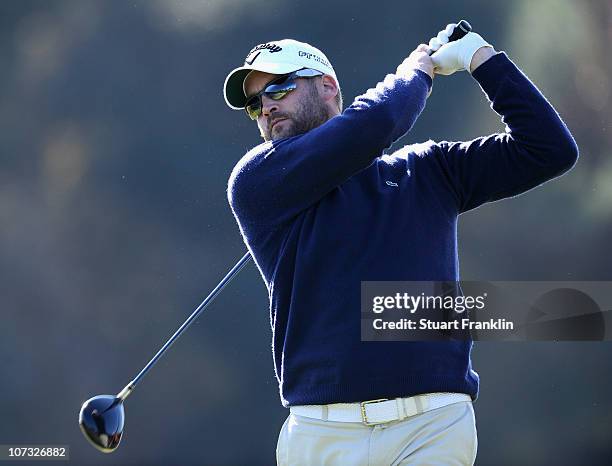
[268,105]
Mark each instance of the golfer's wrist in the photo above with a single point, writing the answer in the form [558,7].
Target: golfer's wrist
[480,56]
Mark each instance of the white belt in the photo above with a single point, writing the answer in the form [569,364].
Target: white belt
[379,411]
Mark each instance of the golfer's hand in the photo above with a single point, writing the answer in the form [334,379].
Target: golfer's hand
[419,59]
[450,57]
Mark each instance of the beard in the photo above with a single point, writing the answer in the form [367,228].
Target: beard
[311,113]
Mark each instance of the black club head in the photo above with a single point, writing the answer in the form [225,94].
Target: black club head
[101,420]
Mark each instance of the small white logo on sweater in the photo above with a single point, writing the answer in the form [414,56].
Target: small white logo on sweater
[391,183]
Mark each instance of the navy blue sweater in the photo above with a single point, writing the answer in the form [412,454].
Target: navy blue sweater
[318,216]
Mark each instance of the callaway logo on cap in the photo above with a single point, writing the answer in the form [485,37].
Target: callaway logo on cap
[278,57]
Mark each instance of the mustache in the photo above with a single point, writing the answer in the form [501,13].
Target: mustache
[275,116]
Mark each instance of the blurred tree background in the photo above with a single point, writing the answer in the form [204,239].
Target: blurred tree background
[115,149]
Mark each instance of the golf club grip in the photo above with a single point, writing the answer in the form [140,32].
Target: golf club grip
[461,29]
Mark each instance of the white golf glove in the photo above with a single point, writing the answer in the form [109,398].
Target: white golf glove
[457,55]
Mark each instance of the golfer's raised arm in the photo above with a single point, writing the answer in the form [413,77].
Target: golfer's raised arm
[536,146]
[276,180]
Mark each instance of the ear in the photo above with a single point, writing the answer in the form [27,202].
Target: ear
[329,88]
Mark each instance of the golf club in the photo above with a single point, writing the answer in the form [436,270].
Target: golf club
[461,29]
[101,418]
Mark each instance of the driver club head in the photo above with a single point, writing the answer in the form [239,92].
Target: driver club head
[101,420]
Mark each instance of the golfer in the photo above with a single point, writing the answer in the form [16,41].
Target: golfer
[322,208]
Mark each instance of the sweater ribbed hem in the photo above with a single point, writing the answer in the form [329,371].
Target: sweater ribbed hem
[400,387]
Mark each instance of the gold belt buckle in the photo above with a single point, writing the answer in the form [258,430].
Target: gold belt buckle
[364,418]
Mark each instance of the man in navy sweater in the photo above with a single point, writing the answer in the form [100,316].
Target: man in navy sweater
[322,208]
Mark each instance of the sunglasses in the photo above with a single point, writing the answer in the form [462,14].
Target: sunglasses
[276,90]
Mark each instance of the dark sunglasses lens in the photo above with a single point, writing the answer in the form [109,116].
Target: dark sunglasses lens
[253,107]
[285,86]
[276,90]
[278,95]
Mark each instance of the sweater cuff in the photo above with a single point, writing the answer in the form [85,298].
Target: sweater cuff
[427,78]
[489,74]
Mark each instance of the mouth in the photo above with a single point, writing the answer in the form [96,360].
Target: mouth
[274,122]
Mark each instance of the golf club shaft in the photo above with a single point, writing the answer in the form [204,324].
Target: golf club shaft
[123,394]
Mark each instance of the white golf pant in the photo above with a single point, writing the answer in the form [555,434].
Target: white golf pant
[444,436]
